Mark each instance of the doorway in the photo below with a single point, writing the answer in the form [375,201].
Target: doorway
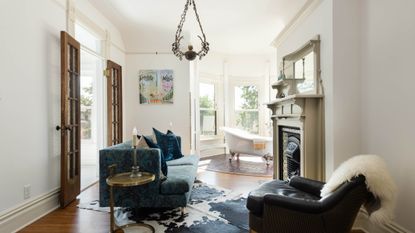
[92,102]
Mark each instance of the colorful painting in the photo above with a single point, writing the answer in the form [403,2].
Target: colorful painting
[156,86]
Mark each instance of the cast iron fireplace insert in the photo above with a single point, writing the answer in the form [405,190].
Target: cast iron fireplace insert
[289,152]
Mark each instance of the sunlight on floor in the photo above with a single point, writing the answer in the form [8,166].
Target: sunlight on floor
[204,162]
[251,159]
[88,175]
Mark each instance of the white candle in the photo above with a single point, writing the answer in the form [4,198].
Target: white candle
[135,133]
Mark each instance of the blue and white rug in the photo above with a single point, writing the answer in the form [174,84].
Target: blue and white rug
[210,209]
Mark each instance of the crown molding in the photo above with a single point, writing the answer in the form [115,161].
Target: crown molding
[305,11]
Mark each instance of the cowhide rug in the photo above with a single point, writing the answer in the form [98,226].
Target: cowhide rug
[210,209]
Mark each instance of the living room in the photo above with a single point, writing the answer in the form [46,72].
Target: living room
[362,47]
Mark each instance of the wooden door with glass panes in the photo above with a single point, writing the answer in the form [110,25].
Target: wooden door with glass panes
[70,127]
[114,103]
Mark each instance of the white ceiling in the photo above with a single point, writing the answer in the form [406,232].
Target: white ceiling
[231,26]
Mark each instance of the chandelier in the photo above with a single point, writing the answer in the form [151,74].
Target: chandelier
[190,54]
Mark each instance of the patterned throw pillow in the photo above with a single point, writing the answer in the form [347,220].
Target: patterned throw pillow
[142,144]
[151,144]
[168,144]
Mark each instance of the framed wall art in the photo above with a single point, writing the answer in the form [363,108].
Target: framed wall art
[156,86]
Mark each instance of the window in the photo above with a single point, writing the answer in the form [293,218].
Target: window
[88,39]
[208,113]
[246,108]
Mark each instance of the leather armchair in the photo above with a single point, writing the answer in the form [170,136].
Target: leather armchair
[296,206]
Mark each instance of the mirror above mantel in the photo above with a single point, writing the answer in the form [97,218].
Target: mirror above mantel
[300,71]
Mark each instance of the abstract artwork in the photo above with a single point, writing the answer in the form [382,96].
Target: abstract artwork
[156,86]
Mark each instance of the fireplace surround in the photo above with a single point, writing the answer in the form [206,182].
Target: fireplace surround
[298,115]
[298,120]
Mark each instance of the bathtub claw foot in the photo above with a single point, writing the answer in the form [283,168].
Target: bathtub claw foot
[267,158]
[232,154]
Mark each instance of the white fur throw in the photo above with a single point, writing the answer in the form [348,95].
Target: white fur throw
[378,181]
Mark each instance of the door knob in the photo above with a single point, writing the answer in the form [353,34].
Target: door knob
[58,127]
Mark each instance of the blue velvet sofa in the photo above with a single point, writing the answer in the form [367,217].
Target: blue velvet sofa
[171,193]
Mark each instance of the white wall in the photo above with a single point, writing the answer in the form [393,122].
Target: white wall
[346,80]
[30,96]
[242,65]
[388,112]
[319,22]
[159,116]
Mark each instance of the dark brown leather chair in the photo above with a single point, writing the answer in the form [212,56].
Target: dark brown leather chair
[296,206]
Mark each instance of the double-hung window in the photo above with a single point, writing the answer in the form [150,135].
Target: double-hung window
[246,111]
[208,111]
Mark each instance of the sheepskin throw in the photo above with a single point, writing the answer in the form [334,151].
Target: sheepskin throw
[378,182]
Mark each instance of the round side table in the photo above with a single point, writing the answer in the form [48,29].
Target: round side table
[124,180]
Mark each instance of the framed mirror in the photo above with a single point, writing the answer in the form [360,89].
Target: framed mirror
[301,69]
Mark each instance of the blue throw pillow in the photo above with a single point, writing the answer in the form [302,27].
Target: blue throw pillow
[178,142]
[168,144]
[151,144]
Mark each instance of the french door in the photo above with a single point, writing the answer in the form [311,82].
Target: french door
[114,103]
[70,119]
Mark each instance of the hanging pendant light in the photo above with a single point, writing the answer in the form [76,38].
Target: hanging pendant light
[190,54]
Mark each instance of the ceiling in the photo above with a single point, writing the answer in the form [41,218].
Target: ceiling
[231,26]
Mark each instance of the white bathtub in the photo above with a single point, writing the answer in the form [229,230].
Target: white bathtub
[242,142]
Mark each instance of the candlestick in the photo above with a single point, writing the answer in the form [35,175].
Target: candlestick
[134,157]
[135,168]
[135,134]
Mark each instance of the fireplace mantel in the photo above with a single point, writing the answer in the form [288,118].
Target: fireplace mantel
[304,112]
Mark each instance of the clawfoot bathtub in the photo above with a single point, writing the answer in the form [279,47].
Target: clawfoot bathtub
[242,142]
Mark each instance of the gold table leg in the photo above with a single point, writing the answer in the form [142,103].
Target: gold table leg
[112,221]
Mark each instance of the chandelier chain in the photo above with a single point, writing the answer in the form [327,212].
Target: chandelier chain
[178,37]
[198,19]
[182,19]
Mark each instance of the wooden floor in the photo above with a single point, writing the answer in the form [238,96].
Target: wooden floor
[71,219]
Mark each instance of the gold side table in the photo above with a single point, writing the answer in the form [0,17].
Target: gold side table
[124,180]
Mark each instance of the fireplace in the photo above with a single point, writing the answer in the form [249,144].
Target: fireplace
[290,151]
[298,137]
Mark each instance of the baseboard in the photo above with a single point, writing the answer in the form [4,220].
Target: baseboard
[363,223]
[21,216]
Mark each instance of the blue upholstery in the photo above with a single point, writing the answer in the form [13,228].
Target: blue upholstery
[172,193]
[179,181]
[168,144]
[186,160]
[151,144]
